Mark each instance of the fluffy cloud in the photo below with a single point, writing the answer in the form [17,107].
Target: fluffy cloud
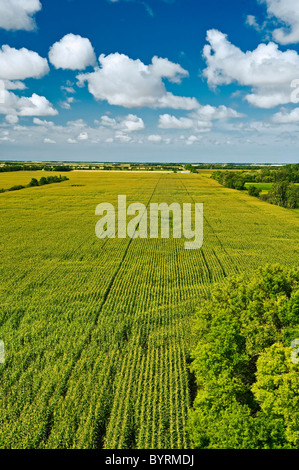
[18,14]
[267,70]
[5,137]
[285,117]
[83,136]
[78,124]
[155,138]
[251,21]
[129,123]
[211,113]
[34,106]
[67,103]
[122,137]
[42,122]
[200,119]
[19,64]
[15,85]
[164,68]
[130,83]
[72,52]
[166,121]
[192,139]
[73,132]
[287,11]
[12,119]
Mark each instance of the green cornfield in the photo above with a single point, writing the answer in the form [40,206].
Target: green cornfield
[98,332]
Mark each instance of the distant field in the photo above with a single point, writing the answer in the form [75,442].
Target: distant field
[265,187]
[98,332]
[206,173]
[12,178]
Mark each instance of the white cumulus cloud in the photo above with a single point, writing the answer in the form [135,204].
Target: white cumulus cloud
[72,52]
[287,12]
[211,113]
[19,64]
[122,137]
[166,121]
[155,138]
[251,21]
[33,106]
[13,85]
[18,14]
[287,117]
[129,123]
[164,68]
[192,139]
[83,136]
[200,119]
[130,83]
[267,70]
[42,122]
[12,119]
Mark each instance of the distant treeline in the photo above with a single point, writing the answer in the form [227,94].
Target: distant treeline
[13,167]
[229,166]
[34,182]
[230,179]
[282,193]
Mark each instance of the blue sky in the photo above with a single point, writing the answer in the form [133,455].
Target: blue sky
[155,80]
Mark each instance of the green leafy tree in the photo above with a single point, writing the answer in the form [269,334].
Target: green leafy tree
[292,196]
[33,182]
[276,390]
[278,193]
[254,191]
[240,321]
[43,181]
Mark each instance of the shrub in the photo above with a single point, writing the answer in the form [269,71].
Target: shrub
[254,191]
[16,188]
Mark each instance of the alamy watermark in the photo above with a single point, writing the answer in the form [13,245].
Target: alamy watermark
[295,353]
[174,216]
[2,352]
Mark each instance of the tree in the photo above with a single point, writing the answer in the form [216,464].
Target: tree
[244,323]
[292,196]
[33,182]
[239,183]
[190,168]
[43,181]
[278,193]
[16,187]
[276,390]
[254,191]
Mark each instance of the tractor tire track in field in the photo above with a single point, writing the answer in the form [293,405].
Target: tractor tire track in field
[206,265]
[121,262]
[220,264]
[217,238]
[144,432]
